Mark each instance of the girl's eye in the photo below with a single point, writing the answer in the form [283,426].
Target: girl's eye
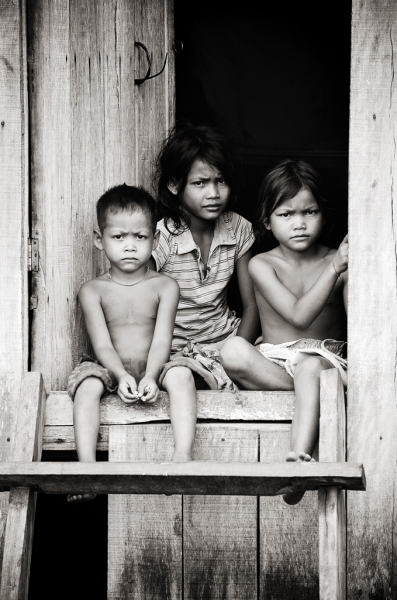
[284,215]
[222,181]
[312,212]
[198,183]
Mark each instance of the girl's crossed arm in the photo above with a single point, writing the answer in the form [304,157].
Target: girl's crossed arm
[303,311]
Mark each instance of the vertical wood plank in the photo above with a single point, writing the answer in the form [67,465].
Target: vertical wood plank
[288,551]
[154,99]
[145,531]
[26,441]
[220,533]
[51,126]
[372,320]
[14,188]
[331,500]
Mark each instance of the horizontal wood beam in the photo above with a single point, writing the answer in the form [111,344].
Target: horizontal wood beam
[212,404]
[206,477]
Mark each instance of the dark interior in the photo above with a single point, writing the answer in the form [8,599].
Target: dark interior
[275,76]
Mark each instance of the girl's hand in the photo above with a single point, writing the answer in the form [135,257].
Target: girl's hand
[127,390]
[148,390]
[339,260]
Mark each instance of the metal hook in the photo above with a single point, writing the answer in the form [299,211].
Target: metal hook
[149,60]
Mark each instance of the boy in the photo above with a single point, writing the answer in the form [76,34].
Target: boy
[300,289]
[129,313]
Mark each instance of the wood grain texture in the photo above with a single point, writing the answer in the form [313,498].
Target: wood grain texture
[332,501]
[14,188]
[207,477]
[372,320]
[220,533]
[288,551]
[51,184]
[145,532]
[18,538]
[233,406]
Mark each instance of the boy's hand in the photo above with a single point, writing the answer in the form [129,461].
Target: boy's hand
[148,390]
[127,389]
[339,259]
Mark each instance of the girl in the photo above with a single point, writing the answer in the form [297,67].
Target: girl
[201,242]
[300,289]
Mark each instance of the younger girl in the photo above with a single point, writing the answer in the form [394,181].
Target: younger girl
[300,289]
[201,242]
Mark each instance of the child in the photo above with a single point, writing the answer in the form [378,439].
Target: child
[300,288]
[201,243]
[129,313]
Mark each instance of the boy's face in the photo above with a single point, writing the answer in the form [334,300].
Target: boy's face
[297,223]
[205,194]
[127,240]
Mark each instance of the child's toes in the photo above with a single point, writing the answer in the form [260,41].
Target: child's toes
[291,457]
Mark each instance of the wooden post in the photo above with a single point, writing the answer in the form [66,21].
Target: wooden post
[25,439]
[14,191]
[331,500]
[372,329]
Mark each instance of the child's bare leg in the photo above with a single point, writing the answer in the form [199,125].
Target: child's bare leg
[305,423]
[245,365]
[179,384]
[86,425]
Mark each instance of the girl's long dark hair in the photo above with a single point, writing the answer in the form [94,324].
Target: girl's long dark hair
[185,144]
[283,182]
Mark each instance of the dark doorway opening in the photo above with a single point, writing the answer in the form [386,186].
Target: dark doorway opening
[276,77]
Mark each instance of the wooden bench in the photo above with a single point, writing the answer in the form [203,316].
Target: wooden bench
[149,520]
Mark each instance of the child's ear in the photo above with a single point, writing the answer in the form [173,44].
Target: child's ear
[268,226]
[173,186]
[156,238]
[98,239]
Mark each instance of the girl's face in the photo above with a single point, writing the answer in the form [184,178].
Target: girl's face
[297,223]
[205,194]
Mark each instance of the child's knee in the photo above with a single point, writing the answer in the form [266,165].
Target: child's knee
[178,377]
[311,365]
[90,387]
[233,353]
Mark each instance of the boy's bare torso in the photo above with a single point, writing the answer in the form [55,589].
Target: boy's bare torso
[298,278]
[130,313]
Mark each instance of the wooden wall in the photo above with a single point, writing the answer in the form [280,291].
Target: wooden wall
[14,188]
[372,415]
[91,128]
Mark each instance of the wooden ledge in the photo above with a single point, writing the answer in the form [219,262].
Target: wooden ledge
[213,478]
[218,405]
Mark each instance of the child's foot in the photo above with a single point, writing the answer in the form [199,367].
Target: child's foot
[80,497]
[181,456]
[295,497]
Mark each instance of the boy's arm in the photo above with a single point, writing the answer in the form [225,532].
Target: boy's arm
[98,333]
[303,311]
[160,348]
[249,326]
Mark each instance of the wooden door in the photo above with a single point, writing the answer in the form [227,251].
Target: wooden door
[92,127]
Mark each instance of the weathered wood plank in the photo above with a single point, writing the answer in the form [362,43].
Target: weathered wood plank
[233,406]
[145,532]
[22,502]
[220,533]
[14,188]
[51,178]
[288,551]
[10,386]
[331,501]
[219,478]
[372,319]
[154,105]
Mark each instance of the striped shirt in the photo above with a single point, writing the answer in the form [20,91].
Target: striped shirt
[203,315]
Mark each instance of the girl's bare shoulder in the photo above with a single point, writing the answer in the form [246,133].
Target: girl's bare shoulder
[264,261]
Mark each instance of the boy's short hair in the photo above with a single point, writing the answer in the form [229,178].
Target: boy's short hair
[128,198]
